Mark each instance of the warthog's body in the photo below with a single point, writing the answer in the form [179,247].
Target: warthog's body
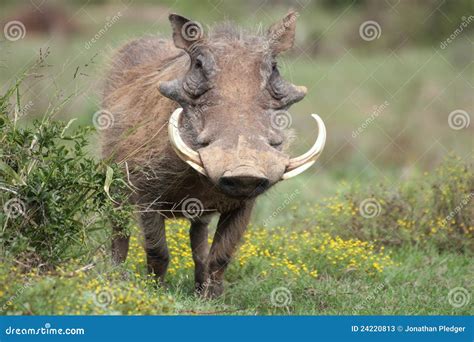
[228,124]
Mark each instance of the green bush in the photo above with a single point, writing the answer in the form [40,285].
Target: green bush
[435,209]
[56,201]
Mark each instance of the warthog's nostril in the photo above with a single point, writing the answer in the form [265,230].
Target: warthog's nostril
[243,185]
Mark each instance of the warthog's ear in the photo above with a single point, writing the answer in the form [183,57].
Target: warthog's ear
[281,35]
[185,32]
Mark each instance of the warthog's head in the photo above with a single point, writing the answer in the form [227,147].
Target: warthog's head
[234,103]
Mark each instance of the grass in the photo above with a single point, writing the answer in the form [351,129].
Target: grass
[413,281]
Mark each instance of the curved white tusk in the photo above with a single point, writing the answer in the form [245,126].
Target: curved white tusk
[183,151]
[302,163]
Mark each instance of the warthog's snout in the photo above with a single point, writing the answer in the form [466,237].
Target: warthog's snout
[243,182]
[241,163]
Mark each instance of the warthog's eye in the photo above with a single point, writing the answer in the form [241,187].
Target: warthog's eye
[275,140]
[276,144]
[277,86]
[198,63]
[283,92]
[275,68]
[196,81]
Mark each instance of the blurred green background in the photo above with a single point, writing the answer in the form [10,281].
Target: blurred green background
[409,68]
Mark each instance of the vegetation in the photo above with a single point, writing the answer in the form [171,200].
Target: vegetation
[433,210]
[56,200]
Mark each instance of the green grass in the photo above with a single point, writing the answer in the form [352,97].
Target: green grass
[418,284]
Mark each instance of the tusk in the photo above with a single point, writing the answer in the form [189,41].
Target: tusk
[305,161]
[183,151]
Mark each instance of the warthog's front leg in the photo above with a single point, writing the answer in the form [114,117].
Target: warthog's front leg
[230,230]
[156,248]
[120,242]
[200,248]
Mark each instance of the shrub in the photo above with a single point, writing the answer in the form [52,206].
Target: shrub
[56,200]
[435,209]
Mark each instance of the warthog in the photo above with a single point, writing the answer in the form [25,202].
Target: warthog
[192,122]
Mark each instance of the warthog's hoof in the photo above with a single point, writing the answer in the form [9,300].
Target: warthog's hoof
[210,289]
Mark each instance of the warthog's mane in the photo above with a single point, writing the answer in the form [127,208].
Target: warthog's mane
[228,34]
[229,31]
